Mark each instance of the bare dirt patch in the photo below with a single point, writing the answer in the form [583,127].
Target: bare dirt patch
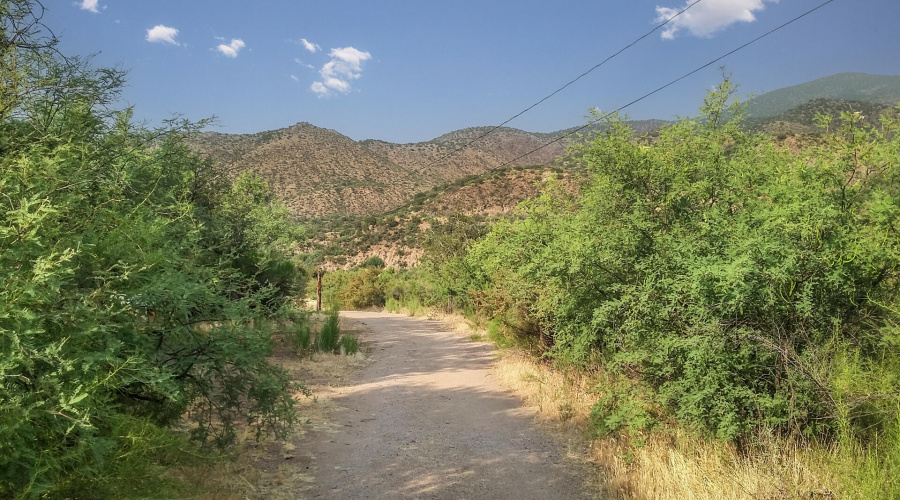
[425,418]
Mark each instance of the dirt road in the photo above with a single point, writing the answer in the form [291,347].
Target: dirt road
[425,419]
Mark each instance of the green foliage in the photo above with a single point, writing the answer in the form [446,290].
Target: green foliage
[349,344]
[328,339]
[746,285]
[409,304]
[362,289]
[623,407]
[301,336]
[131,272]
[499,335]
[445,248]
[373,261]
[333,283]
[869,470]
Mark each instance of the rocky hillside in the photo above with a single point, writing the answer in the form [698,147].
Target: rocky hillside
[319,172]
[397,236]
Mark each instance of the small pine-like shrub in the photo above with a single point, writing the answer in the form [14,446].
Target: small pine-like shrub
[329,337]
[350,344]
[300,336]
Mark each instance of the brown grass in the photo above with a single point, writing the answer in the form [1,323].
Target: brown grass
[254,471]
[670,464]
[561,395]
[667,464]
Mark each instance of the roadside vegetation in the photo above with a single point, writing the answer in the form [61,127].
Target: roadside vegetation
[137,286]
[731,302]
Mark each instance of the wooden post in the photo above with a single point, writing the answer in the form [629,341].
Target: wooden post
[319,291]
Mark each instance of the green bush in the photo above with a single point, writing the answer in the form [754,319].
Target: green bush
[354,289]
[349,344]
[301,336]
[328,339]
[746,285]
[373,261]
[362,289]
[131,273]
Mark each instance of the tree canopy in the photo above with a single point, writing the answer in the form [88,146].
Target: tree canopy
[131,271]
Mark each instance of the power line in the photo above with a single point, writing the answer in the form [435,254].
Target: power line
[673,82]
[579,77]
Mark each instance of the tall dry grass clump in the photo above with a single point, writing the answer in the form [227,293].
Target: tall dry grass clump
[667,464]
[561,394]
[676,466]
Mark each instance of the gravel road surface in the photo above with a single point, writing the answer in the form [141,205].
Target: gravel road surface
[425,419]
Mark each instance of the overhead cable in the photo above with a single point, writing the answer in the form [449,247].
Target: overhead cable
[673,82]
[579,77]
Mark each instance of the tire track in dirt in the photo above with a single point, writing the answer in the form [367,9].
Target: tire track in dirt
[425,419]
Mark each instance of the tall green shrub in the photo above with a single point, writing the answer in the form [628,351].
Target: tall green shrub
[738,279]
[328,339]
[130,273]
[362,289]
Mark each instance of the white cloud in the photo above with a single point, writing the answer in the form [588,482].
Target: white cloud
[305,65]
[162,34]
[232,49]
[90,5]
[709,16]
[294,77]
[337,74]
[312,47]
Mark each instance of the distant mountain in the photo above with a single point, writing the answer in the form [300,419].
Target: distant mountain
[859,87]
[802,119]
[319,172]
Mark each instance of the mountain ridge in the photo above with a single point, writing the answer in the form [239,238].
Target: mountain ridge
[861,87]
[320,172]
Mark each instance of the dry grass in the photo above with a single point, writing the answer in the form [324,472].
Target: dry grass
[455,322]
[254,471]
[663,464]
[668,464]
[324,368]
[562,395]
[678,467]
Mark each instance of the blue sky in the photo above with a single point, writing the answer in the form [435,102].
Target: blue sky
[407,71]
